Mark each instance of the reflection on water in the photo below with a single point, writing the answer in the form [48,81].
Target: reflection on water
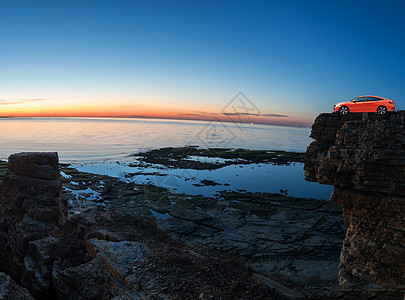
[98,139]
[265,178]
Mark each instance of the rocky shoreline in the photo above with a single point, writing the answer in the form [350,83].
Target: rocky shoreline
[237,245]
[88,236]
[69,234]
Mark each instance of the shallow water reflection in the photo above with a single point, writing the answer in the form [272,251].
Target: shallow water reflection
[265,178]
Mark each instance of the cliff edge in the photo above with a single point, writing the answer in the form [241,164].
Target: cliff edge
[363,157]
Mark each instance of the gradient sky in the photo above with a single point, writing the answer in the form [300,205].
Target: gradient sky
[188,59]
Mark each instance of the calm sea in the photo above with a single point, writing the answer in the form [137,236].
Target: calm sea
[98,139]
[102,145]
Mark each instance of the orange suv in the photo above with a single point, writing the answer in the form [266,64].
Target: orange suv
[365,104]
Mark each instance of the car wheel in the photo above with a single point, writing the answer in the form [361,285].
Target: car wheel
[344,110]
[381,110]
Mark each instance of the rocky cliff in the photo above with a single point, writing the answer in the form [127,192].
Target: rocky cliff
[363,157]
[32,210]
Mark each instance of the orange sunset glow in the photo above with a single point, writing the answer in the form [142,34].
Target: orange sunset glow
[122,108]
[152,113]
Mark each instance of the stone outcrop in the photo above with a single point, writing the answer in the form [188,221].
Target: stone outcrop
[32,210]
[9,290]
[43,165]
[363,157]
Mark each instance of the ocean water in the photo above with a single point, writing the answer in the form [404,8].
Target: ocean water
[98,139]
[103,146]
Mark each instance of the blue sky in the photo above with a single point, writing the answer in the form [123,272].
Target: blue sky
[294,58]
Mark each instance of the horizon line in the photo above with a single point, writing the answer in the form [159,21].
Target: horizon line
[229,120]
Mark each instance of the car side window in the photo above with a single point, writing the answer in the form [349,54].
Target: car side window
[360,99]
[373,99]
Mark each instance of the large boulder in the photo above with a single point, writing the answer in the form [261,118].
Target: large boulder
[44,165]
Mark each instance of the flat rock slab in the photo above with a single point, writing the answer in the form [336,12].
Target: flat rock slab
[118,257]
[44,165]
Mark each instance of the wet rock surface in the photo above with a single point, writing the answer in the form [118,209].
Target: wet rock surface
[133,241]
[362,155]
[193,157]
[281,239]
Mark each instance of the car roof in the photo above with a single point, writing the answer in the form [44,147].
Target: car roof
[370,96]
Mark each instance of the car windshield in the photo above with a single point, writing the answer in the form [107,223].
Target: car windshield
[359,99]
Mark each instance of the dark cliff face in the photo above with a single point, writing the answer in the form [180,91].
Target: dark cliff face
[363,157]
[32,210]
[364,152]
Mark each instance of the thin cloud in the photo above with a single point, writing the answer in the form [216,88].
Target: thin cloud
[18,101]
[205,114]
[257,115]
[274,115]
[199,114]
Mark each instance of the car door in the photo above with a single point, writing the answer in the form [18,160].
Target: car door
[373,104]
[359,104]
